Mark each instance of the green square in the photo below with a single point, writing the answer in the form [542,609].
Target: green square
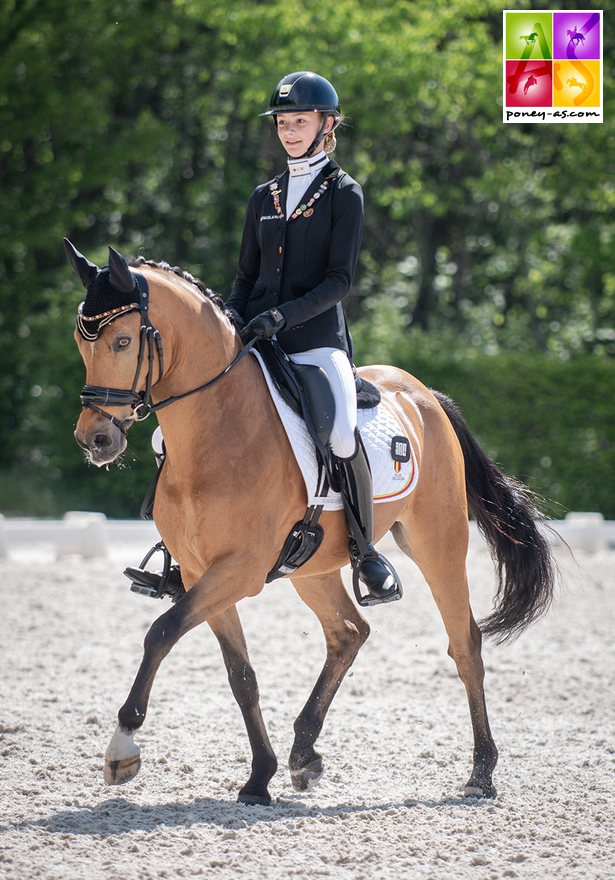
[529,35]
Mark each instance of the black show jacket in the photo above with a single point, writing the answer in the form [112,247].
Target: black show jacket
[303,266]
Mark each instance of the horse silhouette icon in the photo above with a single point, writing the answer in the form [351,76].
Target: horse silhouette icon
[574,83]
[530,81]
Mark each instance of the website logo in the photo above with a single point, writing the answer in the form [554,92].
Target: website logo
[552,69]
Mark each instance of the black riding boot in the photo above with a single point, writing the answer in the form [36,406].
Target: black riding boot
[368,565]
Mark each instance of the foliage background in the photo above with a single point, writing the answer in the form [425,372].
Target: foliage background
[488,266]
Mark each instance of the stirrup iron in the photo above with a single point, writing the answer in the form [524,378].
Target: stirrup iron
[367,599]
[155,584]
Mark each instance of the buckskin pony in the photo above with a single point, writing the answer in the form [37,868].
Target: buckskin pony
[231,490]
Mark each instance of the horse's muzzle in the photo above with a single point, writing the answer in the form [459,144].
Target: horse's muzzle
[103,441]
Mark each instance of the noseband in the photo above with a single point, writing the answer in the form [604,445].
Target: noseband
[95,396]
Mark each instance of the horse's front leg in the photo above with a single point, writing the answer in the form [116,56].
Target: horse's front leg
[242,679]
[213,594]
[345,631]
[122,758]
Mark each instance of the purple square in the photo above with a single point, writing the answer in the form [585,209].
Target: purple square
[576,35]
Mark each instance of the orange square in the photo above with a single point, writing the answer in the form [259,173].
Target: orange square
[576,83]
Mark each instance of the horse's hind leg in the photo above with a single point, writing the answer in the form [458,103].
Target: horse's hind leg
[439,549]
[345,631]
[242,679]
[467,656]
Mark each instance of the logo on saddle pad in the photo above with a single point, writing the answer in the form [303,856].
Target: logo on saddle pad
[400,453]
[400,449]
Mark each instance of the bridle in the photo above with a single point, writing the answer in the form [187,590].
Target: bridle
[95,396]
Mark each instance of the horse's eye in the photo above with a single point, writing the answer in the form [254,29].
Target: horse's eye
[121,342]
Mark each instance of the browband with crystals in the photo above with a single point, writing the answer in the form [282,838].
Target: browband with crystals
[104,318]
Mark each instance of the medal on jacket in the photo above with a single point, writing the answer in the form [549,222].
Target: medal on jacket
[308,210]
[275,191]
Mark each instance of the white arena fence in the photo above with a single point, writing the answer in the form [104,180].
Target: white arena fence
[91,535]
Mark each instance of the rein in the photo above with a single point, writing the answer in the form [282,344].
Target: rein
[95,396]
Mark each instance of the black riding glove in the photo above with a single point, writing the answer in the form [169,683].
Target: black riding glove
[235,318]
[264,326]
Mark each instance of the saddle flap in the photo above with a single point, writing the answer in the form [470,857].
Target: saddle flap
[304,387]
[318,398]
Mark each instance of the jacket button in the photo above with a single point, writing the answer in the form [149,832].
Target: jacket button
[277,271]
[280,249]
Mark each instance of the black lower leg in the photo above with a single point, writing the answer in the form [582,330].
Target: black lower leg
[305,763]
[163,634]
[242,680]
[369,566]
[485,756]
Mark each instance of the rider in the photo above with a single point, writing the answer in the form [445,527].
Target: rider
[300,246]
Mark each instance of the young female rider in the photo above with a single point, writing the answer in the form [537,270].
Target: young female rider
[300,246]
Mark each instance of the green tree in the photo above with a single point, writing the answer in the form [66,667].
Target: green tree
[136,124]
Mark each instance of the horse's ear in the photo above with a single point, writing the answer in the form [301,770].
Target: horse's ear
[84,270]
[120,275]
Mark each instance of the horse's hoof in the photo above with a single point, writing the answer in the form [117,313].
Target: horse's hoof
[480,791]
[122,758]
[252,799]
[118,772]
[307,777]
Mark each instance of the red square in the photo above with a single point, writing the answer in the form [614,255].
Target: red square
[529,83]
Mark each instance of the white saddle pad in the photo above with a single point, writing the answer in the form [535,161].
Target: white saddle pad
[392,479]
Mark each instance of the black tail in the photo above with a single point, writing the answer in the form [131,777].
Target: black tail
[508,519]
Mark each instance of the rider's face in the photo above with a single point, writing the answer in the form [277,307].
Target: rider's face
[298,130]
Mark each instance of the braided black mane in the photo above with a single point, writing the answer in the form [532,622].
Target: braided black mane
[136,262]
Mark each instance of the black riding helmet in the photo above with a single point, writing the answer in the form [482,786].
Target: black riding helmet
[305,91]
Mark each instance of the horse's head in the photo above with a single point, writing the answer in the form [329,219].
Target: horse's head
[111,350]
[124,359]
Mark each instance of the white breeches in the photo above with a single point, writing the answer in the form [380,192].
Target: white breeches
[337,366]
